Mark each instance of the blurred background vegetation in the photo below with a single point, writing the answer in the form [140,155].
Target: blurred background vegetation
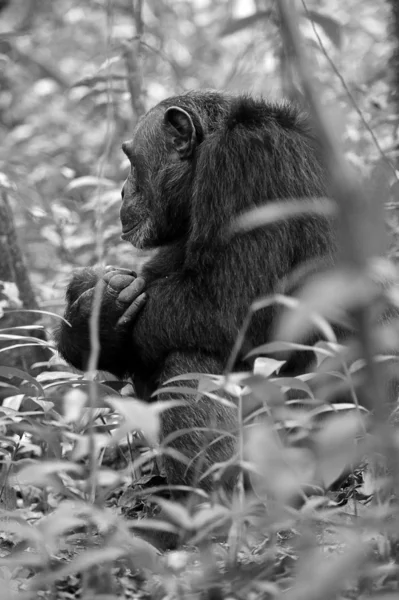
[66,103]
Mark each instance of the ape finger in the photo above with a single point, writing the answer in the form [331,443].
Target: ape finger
[107,275]
[110,268]
[83,279]
[118,281]
[131,291]
[84,303]
[132,311]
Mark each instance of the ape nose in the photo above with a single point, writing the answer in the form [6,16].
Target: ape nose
[125,147]
[123,192]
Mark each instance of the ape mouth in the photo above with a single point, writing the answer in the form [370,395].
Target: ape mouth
[126,233]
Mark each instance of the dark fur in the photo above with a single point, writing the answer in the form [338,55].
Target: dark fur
[201,281]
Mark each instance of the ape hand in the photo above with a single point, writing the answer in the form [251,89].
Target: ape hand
[122,298]
[128,288]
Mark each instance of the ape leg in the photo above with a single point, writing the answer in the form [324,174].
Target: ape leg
[205,419]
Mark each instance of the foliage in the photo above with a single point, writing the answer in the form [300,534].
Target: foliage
[78,483]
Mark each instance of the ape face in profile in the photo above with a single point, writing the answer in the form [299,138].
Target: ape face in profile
[165,155]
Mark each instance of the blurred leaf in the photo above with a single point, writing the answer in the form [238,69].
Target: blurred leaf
[209,515]
[281,211]
[280,471]
[177,389]
[33,404]
[138,416]
[330,571]
[74,402]
[264,390]
[272,347]
[235,25]
[83,445]
[176,513]
[332,350]
[13,372]
[6,183]
[39,474]
[336,448]
[331,27]
[267,366]
[293,383]
[325,299]
[55,375]
[89,181]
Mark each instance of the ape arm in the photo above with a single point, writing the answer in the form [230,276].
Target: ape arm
[121,301]
[204,310]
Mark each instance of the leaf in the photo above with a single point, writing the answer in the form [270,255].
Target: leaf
[176,513]
[272,347]
[281,211]
[13,372]
[210,515]
[38,474]
[89,181]
[73,402]
[331,27]
[32,404]
[325,299]
[177,389]
[5,182]
[264,390]
[235,25]
[336,447]
[55,375]
[83,445]
[138,416]
[267,366]
[278,470]
[293,383]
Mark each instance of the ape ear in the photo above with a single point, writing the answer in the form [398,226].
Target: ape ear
[181,127]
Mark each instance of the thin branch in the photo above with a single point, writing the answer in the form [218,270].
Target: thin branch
[349,94]
[356,214]
[132,57]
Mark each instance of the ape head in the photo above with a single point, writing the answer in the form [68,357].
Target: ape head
[199,159]
[163,154]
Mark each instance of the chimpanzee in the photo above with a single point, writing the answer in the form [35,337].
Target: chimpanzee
[197,161]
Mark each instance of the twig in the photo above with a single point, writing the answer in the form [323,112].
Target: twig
[350,95]
[132,57]
[354,212]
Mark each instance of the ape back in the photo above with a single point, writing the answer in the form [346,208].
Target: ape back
[198,161]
